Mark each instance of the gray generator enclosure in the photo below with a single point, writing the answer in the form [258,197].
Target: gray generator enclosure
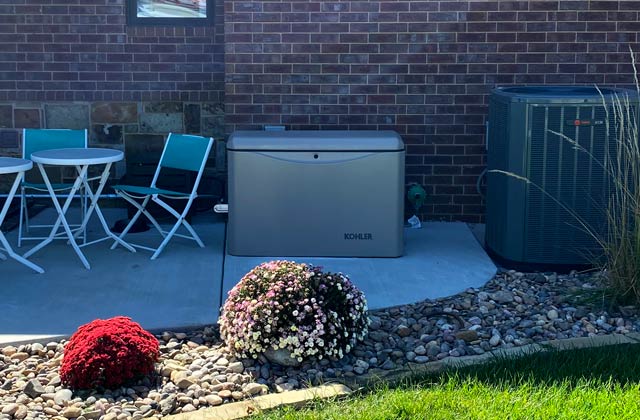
[557,139]
[316,193]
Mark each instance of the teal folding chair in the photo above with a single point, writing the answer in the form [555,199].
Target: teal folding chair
[35,140]
[181,151]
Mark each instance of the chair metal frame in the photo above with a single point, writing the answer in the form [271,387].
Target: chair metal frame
[181,151]
[68,139]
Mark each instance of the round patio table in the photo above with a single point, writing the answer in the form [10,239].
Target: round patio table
[81,159]
[16,166]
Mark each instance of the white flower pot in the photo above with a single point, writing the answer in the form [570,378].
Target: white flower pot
[281,357]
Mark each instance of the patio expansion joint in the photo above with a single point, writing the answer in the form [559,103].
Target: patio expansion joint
[301,398]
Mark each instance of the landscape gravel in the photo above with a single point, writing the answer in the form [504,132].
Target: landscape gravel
[195,369]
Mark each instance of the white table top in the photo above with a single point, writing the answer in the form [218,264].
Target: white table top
[77,156]
[9,165]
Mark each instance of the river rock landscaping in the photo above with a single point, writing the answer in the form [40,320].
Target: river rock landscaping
[195,370]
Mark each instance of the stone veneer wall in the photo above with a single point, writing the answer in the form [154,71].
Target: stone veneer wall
[137,128]
[423,68]
[111,124]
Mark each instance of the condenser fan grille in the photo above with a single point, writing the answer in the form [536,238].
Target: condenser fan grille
[565,162]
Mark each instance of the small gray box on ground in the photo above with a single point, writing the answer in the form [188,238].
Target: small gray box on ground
[316,193]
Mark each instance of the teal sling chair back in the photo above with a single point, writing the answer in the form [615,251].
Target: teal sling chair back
[35,140]
[181,151]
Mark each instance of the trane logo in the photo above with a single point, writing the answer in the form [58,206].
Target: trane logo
[358,236]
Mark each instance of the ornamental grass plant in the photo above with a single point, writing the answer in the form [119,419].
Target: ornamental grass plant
[621,245]
[108,353]
[283,305]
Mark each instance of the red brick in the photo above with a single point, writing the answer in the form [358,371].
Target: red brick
[423,68]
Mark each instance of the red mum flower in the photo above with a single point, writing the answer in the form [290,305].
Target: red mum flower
[108,353]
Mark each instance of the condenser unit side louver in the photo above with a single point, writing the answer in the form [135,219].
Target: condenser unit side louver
[544,214]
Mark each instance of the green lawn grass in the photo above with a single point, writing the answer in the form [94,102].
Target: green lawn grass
[599,383]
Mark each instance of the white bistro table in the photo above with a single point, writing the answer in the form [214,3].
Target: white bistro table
[81,159]
[16,166]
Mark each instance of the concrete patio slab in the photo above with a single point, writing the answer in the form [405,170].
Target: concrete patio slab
[185,286]
[180,288]
[441,259]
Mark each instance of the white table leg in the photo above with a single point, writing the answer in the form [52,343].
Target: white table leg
[5,244]
[61,215]
[95,207]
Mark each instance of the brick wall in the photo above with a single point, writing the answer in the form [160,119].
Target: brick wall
[82,50]
[423,68]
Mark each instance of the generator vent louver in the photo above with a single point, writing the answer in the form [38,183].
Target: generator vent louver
[524,224]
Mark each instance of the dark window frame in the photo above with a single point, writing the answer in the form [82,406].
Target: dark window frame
[134,20]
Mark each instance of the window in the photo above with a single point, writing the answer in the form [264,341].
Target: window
[170,12]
